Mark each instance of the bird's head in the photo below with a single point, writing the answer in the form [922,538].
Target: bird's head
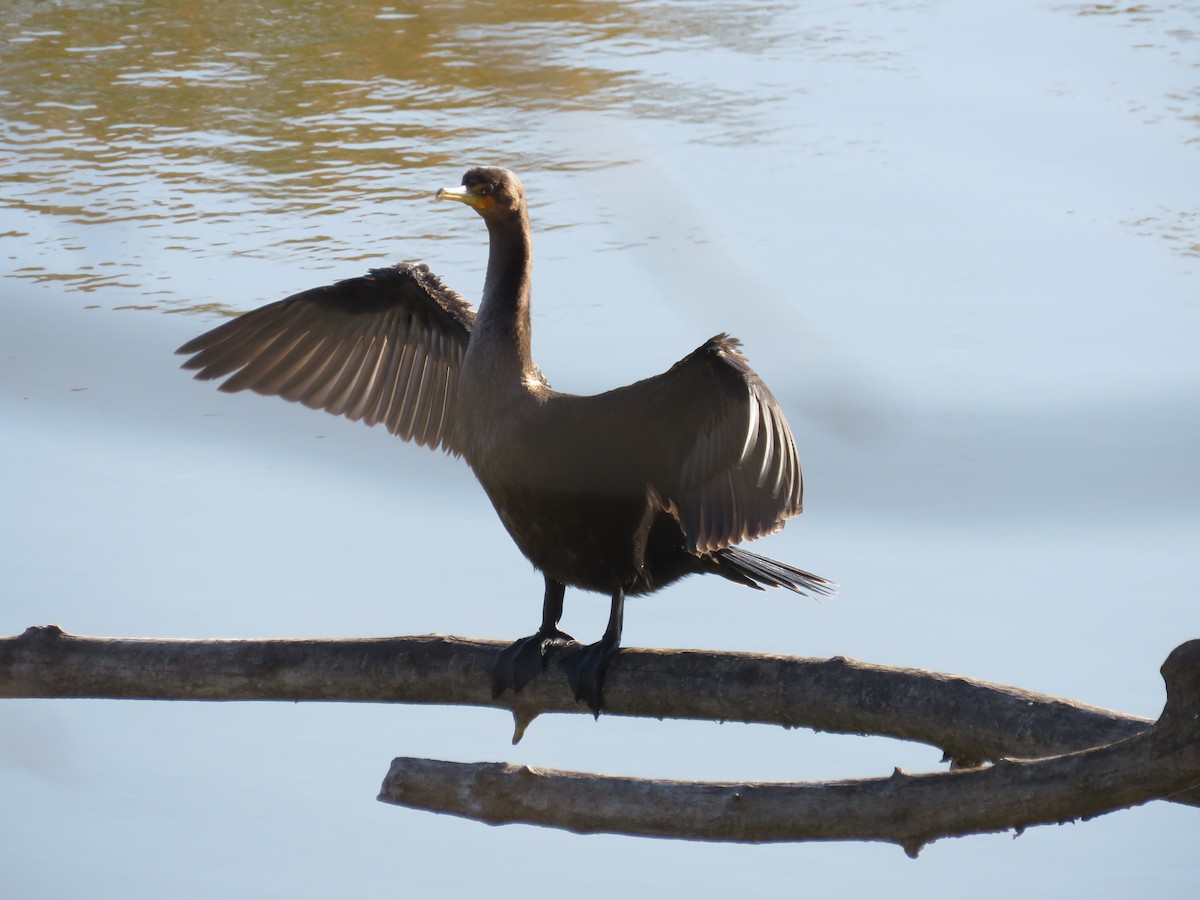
[489,190]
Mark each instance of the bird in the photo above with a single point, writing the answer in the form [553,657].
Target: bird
[621,493]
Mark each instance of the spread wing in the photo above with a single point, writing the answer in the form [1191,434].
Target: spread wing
[383,348]
[713,442]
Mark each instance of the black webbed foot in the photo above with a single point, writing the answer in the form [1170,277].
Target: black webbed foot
[586,665]
[585,671]
[522,661]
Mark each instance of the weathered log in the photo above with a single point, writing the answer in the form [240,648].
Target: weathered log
[970,720]
[909,810]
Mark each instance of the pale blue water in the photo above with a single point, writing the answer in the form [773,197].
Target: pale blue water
[959,241]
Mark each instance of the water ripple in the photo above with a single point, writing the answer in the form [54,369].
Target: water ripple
[246,128]
[204,132]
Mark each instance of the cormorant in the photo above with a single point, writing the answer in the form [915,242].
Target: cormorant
[622,492]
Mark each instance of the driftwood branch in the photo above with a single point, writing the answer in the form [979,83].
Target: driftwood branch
[1126,759]
[909,810]
[969,720]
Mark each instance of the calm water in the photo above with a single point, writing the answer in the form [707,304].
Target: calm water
[959,241]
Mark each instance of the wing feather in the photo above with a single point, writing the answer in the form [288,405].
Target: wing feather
[714,442]
[385,347]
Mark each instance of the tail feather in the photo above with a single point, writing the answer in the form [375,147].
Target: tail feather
[762,571]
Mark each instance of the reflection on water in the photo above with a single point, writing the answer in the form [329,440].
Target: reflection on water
[951,219]
[200,128]
[159,115]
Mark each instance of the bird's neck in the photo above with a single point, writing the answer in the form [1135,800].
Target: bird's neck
[503,320]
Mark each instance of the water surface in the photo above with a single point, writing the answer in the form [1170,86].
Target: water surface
[959,241]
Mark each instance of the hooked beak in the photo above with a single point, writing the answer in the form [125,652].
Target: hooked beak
[465,195]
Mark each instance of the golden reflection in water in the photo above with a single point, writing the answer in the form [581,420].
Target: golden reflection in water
[162,116]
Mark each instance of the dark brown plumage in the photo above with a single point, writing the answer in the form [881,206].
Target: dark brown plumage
[621,492]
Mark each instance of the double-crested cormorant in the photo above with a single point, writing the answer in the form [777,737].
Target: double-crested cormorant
[622,493]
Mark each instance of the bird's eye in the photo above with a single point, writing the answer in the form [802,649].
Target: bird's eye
[484,189]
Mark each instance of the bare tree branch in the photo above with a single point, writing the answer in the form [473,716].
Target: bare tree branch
[909,810]
[971,720]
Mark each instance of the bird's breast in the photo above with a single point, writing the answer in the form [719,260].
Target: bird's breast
[587,540]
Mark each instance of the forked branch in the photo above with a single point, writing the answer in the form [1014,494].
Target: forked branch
[1127,760]
[909,810]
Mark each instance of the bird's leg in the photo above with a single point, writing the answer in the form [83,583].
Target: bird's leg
[522,661]
[586,665]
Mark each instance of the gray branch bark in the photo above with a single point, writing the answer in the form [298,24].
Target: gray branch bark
[971,721]
[909,810]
